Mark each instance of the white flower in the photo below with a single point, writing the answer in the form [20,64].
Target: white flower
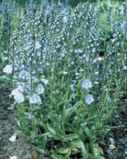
[98,59]
[37,45]
[45,81]
[96,82]
[13,138]
[8,69]
[18,96]
[40,89]
[97,73]
[86,84]
[64,72]
[35,99]
[13,157]
[89,99]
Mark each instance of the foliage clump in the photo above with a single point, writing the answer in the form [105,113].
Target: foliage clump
[68,73]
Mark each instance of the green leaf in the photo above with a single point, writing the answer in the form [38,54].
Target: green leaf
[51,130]
[79,144]
[64,151]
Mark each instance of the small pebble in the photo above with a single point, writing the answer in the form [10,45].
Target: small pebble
[13,138]
[13,157]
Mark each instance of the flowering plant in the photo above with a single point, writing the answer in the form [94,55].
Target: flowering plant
[66,73]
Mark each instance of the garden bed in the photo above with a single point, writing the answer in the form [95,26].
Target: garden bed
[64,74]
[115,142]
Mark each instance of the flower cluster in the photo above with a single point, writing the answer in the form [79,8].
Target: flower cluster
[52,43]
[86,84]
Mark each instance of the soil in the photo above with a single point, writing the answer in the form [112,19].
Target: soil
[20,148]
[115,142]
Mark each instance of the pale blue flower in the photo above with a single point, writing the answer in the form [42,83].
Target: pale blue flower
[45,81]
[35,99]
[89,99]
[40,89]
[37,45]
[124,68]
[86,84]
[24,75]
